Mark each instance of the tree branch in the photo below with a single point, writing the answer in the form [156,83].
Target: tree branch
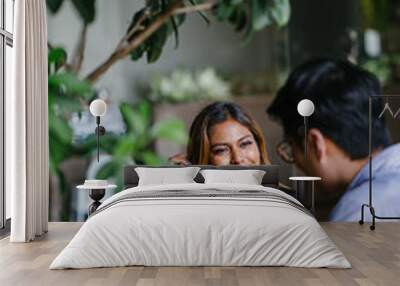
[122,51]
[195,8]
[79,51]
[137,27]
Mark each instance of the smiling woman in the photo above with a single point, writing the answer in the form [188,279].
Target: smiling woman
[223,134]
[233,143]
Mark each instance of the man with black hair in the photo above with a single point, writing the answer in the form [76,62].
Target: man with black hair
[338,135]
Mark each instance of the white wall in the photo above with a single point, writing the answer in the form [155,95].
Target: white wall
[201,46]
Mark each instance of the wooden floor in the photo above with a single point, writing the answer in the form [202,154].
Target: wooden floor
[375,257]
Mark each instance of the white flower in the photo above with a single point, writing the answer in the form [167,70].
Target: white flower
[166,87]
[212,85]
[183,85]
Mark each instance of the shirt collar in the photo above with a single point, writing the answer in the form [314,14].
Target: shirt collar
[387,160]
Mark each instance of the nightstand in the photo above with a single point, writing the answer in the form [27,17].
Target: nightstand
[303,180]
[97,190]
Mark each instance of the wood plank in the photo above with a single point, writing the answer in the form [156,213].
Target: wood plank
[375,257]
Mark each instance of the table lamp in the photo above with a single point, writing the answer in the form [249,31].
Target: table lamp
[98,108]
[97,188]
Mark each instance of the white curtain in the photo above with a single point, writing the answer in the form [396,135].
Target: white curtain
[27,173]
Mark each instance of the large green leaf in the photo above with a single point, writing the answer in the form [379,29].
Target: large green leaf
[89,145]
[54,5]
[125,147]
[137,120]
[153,46]
[86,9]
[69,83]
[150,158]
[137,53]
[60,139]
[224,10]
[174,27]
[156,43]
[60,129]
[128,116]
[260,14]
[269,12]
[64,103]
[175,23]
[172,130]
[113,171]
[109,170]
[57,56]
[144,109]
[280,11]
[58,152]
[137,145]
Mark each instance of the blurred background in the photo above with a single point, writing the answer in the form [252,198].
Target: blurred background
[154,93]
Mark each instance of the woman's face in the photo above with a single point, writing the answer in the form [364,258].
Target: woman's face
[232,143]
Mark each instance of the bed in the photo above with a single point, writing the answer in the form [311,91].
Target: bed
[201,224]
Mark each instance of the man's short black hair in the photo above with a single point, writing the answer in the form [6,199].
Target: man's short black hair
[340,92]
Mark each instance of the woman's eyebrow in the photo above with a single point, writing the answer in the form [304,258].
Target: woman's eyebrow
[244,137]
[218,145]
[227,144]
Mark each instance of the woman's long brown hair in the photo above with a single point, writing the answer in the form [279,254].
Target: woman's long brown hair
[198,149]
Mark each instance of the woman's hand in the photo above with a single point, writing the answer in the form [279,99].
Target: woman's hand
[179,159]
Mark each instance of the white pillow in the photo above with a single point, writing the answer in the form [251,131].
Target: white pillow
[163,176]
[248,177]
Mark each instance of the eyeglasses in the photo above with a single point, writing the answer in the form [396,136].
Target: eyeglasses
[285,151]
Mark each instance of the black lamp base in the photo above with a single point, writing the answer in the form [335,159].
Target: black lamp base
[96,195]
[100,130]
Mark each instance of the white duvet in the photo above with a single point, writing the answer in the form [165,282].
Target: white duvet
[190,231]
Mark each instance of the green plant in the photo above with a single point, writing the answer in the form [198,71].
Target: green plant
[137,144]
[152,25]
[66,94]
[379,16]
[385,67]
[146,35]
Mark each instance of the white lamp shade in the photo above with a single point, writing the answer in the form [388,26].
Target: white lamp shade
[98,107]
[305,107]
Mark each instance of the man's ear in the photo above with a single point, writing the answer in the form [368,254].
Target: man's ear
[318,142]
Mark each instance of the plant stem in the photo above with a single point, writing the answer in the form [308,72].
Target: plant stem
[195,8]
[79,52]
[134,29]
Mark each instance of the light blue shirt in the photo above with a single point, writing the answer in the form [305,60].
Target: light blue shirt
[385,189]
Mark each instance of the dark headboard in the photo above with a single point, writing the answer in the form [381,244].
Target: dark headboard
[271,177]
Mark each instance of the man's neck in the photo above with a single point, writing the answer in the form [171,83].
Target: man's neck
[349,171]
